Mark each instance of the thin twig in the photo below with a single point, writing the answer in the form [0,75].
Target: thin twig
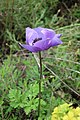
[62,81]
[66,60]
[12,15]
[37,60]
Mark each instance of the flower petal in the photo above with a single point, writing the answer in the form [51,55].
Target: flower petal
[48,33]
[55,41]
[41,35]
[43,44]
[38,29]
[58,35]
[30,48]
[30,35]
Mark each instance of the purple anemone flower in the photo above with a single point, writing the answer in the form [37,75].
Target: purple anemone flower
[40,39]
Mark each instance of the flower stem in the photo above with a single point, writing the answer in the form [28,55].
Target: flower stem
[40,70]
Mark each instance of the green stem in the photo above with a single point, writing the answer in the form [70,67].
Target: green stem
[40,70]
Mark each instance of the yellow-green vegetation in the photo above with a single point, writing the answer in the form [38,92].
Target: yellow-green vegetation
[66,112]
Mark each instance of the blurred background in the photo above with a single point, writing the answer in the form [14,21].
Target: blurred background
[63,16]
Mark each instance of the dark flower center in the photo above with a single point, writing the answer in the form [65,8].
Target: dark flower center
[36,39]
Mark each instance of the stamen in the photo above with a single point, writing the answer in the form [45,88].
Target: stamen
[37,39]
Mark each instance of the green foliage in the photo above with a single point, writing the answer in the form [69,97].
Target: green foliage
[22,92]
[36,13]
[25,99]
[63,63]
[76,12]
